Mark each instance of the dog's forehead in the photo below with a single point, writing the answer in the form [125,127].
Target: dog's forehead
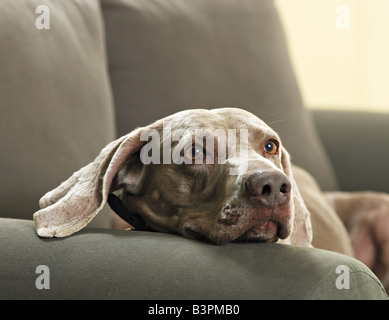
[222,118]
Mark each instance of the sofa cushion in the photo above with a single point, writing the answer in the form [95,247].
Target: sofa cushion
[169,55]
[115,264]
[56,103]
[363,164]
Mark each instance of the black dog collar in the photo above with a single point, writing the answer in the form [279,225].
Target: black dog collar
[132,218]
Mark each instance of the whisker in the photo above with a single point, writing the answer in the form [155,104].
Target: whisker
[276,121]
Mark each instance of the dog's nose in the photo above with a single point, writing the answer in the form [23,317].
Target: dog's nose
[268,188]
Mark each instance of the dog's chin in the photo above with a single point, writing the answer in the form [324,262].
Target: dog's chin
[269,231]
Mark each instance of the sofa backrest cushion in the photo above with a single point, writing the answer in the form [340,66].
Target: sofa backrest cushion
[56,103]
[169,55]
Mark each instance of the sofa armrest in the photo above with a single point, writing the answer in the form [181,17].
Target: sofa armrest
[115,264]
[358,146]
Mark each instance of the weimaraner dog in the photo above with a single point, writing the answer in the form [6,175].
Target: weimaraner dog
[218,175]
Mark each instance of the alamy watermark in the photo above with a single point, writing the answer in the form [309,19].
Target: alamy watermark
[343,17]
[343,280]
[43,280]
[195,146]
[43,20]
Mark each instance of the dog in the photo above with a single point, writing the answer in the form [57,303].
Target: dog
[218,175]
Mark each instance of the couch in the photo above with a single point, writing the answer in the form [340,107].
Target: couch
[103,68]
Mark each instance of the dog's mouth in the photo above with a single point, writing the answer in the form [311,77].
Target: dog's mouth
[265,231]
[268,231]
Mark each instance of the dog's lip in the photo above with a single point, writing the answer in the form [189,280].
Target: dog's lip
[266,231]
[256,229]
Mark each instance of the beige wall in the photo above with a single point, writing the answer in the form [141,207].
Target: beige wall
[336,66]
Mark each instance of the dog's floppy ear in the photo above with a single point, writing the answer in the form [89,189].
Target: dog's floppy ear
[73,204]
[302,229]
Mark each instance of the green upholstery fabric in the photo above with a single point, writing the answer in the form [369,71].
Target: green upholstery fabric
[169,55]
[107,264]
[56,104]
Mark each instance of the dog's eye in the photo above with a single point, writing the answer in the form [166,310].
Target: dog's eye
[271,147]
[194,152]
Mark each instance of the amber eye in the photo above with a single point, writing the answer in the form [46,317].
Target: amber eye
[194,152]
[271,147]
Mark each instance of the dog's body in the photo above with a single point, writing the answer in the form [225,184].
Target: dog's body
[220,175]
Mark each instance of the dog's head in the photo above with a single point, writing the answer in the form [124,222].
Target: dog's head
[220,175]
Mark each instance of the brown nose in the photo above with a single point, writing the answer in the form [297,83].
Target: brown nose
[269,188]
